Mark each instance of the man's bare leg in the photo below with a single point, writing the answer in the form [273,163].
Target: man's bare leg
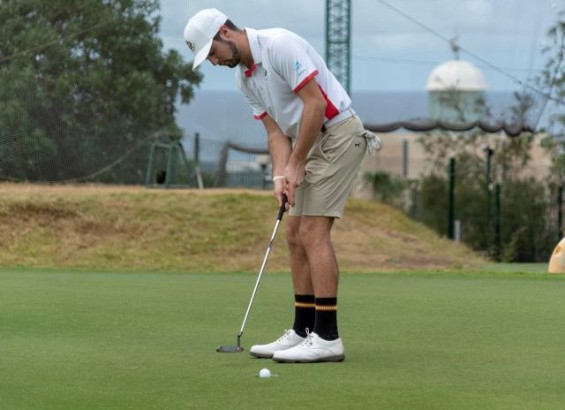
[304,300]
[315,233]
[299,266]
[323,344]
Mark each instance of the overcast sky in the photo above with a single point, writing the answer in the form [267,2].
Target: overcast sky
[395,50]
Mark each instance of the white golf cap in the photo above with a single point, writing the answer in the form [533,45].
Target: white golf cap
[200,31]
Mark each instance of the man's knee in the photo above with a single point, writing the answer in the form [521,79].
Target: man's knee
[293,232]
[315,230]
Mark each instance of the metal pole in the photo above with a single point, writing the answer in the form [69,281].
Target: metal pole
[197,148]
[487,183]
[197,161]
[149,172]
[405,158]
[168,177]
[451,200]
[559,213]
[489,151]
[458,234]
[497,217]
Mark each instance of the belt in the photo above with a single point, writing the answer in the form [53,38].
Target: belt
[342,116]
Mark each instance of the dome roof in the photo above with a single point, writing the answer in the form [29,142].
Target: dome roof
[456,75]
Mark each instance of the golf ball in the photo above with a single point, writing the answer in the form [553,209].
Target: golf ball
[265,373]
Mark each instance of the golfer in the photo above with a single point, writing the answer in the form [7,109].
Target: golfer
[317,145]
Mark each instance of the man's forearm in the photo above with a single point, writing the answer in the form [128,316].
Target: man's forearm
[280,149]
[310,126]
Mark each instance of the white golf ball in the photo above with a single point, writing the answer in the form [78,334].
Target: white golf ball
[265,373]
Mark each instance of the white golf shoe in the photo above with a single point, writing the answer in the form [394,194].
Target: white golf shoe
[312,349]
[286,341]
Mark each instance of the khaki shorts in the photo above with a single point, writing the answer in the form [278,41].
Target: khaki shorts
[331,167]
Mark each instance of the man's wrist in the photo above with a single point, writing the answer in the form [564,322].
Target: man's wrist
[277,177]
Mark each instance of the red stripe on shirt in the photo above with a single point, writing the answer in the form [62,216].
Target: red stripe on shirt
[260,117]
[303,83]
[331,110]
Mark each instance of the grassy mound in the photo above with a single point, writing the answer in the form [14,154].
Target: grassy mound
[125,228]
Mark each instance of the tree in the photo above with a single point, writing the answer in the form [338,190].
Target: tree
[527,226]
[524,230]
[552,77]
[553,80]
[82,84]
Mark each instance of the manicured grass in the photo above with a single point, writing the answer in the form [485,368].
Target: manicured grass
[90,340]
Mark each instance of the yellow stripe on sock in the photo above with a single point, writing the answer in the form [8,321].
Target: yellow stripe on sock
[326,308]
[304,305]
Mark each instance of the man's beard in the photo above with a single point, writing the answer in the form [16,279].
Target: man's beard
[236,56]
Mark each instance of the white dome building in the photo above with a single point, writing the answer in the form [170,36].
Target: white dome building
[456,75]
[456,92]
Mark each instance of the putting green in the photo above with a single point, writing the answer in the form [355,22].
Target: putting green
[91,340]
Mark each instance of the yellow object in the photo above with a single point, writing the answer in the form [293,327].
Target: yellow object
[557,260]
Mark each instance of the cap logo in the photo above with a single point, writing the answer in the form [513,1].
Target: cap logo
[190,45]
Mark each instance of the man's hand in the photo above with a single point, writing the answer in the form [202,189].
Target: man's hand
[294,177]
[278,189]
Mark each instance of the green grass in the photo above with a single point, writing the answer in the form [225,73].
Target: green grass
[91,340]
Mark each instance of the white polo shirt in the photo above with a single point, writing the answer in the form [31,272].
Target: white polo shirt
[284,63]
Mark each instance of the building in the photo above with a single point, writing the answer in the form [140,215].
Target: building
[456,92]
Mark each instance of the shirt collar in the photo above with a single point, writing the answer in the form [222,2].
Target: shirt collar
[249,72]
[255,51]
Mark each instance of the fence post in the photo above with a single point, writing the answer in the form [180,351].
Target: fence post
[497,247]
[197,161]
[458,233]
[149,172]
[559,213]
[197,148]
[451,200]
[489,151]
[405,158]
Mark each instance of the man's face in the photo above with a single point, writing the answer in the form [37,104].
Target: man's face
[224,52]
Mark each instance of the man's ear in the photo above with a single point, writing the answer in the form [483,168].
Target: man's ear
[225,32]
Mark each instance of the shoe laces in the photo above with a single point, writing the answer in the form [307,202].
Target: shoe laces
[309,339]
[285,336]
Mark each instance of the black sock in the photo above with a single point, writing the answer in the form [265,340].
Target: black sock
[304,314]
[326,318]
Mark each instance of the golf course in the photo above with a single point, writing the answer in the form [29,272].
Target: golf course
[117,298]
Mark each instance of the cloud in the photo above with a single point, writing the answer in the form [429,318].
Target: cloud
[299,15]
[505,32]
[477,9]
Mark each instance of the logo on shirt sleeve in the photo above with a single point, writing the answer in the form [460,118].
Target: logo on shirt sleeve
[298,68]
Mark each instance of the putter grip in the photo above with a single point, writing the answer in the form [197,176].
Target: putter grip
[283,207]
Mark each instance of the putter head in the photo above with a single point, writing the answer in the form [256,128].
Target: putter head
[229,349]
[232,349]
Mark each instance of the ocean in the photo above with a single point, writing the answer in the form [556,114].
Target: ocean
[221,116]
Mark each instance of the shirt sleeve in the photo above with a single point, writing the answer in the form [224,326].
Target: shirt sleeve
[259,112]
[291,61]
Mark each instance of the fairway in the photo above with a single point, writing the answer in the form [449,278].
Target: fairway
[101,340]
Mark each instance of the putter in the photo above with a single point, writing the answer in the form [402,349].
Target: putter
[237,348]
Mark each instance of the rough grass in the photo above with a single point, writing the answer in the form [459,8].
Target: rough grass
[124,228]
